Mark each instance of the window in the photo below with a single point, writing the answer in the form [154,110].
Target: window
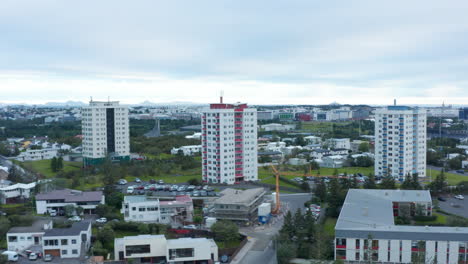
[51,242]
[75,252]
[64,242]
[64,252]
[12,239]
[137,249]
[73,241]
[181,253]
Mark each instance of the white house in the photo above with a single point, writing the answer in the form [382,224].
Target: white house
[194,136]
[21,238]
[70,242]
[335,161]
[465,164]
[338,143]
[156,249]
[277,127]
[9,194]
[149,209]
[37,154]
[297,161]
[187,150]
[58,199]
[313,140]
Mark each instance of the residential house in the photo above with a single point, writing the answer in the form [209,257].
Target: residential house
[335,161]
[148,209]
[20,238]
[58,199]
[37,154]
[187,150]
[72,242]
[158,249]
[14,193]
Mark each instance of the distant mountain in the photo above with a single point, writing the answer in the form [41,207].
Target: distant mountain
[67,103]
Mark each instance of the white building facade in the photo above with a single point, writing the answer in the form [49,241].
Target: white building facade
[229,143]
[37,154]
[11,193]
[187,150]
[105,128]
[158,249]
[58,199]
[366,232]
[147,209]
[400,141]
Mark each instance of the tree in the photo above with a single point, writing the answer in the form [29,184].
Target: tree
[102,210]
[13,174]
[439,184]
[364,161]
[321,190]
[285,252]
[407,183]
[363,147]
[53,164]
[288,230]
[225,231]
[369,182]
[69,210]
[415,182]
[193,181]
[60,163]
[106,235]
[198,219]
[388,182]
[79,210]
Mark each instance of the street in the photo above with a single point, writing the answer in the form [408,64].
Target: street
[263,251]
[455,206]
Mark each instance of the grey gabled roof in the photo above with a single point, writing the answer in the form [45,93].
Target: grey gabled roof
[71,196]
[370,213]
[74,230]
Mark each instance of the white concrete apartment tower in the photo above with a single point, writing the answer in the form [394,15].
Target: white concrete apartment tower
[229,143]
[105,132]
[400,141]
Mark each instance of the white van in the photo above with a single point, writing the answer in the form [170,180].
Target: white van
[130,189]
[11,255]
[52,212]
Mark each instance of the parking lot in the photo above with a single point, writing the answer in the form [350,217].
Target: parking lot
[165,189]
[455,206]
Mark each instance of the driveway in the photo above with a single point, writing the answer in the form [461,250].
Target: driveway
[455,206]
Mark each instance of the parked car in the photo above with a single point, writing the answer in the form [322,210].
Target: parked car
[196,193]
[48,257]
[442,199]
[11,255]
[174,187]
[32,256]
[130,189]
[205,187]
[460,171]
[459,197]
[161,182]
[167,187]
[101,220]
[152,181]
[191,187]
[137,180]
[75,218]
[122,182]
[53,213]
[203,193]
[190,227]
[199,187]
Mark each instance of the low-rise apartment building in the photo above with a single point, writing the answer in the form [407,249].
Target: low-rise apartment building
[239,206]
[158,249]
[21,238]
[37,154]
[72,242]
[187,150]
[148,209]
[366,231]
[58,199]
[16,192]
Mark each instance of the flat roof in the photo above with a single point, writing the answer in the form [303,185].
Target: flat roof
[70,196]
[185,241]
[36,227]
[369,212]
[235,196]
[74,230]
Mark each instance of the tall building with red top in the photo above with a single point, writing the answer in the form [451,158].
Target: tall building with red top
[229,143]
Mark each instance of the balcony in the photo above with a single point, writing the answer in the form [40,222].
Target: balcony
[238,128]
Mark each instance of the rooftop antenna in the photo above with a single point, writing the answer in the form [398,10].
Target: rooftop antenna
[221,97]
[108,99]
[394,102]
[91,98]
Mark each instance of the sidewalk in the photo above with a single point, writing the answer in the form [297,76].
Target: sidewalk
[244,251]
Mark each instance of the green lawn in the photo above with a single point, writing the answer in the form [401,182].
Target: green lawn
[43,167]
[296,171]
[441,219]
[329,226]
[452,179]
[320,127]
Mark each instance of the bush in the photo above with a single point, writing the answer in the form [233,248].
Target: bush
[423,218]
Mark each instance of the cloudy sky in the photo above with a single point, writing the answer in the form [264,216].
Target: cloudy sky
[260,52]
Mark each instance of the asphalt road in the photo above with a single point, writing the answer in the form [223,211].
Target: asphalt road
[455,206]
[450,171]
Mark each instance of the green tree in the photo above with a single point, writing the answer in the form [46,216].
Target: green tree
[288,230]
[321,190]
[369,182]
[102,210]
[388,182]
[69,210]
[415,182]
[106,235]
[198,219]
[53,164]
[439,184]
[363,147]
[225,231]
[286,252]
[407,183]
[60,163]
[14,175]
[79,210]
